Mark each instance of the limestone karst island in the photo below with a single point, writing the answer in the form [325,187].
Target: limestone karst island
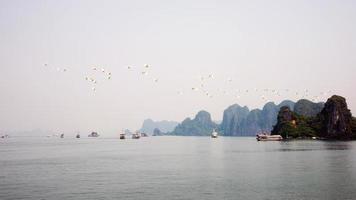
[301,120]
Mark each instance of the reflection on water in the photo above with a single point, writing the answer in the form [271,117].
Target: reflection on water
[306,145]
[176,168]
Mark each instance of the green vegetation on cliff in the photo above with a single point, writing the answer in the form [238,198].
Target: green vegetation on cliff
[353,127]
[291,124]
[333,122]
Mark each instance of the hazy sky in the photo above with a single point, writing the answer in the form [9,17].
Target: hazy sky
[295,45]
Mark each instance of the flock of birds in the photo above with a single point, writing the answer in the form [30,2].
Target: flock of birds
[265,94]
[93,79]
[98,72]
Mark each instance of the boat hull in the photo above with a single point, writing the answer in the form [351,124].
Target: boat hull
[135,136]
[259,139]
[269,137]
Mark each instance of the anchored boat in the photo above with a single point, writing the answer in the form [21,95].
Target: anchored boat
[122,136]
[214,134]
[144,135]
[136,135]
[93,134]
[265,137]
[5,136]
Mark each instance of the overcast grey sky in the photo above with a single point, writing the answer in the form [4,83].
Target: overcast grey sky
[295,45]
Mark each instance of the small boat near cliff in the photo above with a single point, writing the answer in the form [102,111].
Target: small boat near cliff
[136,135]
[144,135]
[265,137]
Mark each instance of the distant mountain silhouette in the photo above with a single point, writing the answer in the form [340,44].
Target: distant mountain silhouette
[201,125]
[308,108]
[164,126]
[239,121]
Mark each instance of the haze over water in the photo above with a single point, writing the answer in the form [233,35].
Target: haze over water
[69,67]
[176,168]
[296,45]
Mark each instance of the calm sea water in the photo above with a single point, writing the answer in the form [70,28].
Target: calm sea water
[176,168]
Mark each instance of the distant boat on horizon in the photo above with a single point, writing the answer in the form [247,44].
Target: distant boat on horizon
[122,136]
[93,134]
[144,135]
[5,136]
[136,135]
[214,134]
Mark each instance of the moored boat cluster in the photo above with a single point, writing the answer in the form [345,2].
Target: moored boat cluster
[122,136]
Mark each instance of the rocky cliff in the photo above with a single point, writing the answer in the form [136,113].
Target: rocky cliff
[201,125]
[353,127]
[308,108]
[164,126]
[336,119]
[292,125]
[239,121]
[157,132]
[308,119]
[333,122]
[232,119]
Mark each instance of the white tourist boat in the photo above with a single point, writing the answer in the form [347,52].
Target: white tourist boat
[214,134]
[265,137]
